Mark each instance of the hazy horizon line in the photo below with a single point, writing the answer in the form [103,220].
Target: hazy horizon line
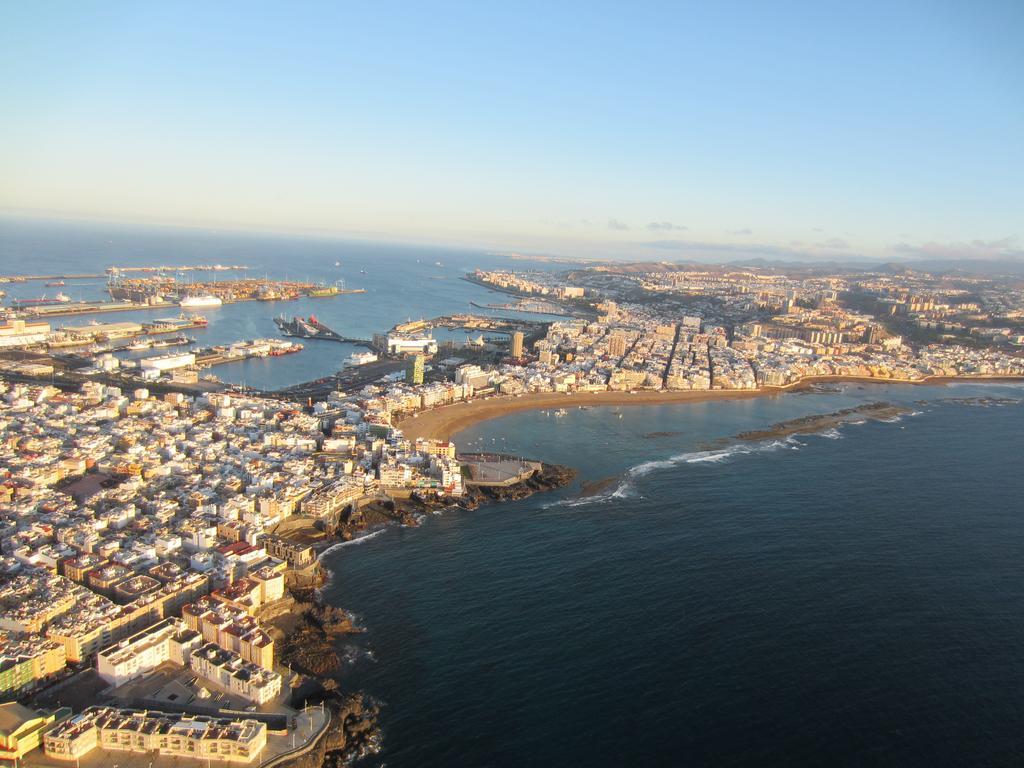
[741,252]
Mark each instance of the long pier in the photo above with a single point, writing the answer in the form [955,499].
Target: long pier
[120,270]
[27,278]
[88,308]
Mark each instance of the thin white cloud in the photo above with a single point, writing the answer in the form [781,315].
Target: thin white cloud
[666,226]
[1003,248]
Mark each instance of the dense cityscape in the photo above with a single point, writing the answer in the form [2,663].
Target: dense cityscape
[151,542]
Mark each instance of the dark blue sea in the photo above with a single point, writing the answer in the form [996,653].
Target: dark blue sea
[851,598]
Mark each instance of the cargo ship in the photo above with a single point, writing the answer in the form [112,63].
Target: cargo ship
[285,348]
[60,298]
[336,289]
[189,302]
[177,341]
[175,324]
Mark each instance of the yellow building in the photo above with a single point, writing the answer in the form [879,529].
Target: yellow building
[21,729]
[26,660]
[88,635]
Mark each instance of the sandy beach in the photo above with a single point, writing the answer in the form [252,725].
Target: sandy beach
[447,421]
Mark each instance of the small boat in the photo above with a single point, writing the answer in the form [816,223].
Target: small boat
[337,263]
[55,284]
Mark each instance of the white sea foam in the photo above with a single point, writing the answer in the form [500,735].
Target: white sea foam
[626,489]
[357,540]
[351,654]
[696,457]
[831,434]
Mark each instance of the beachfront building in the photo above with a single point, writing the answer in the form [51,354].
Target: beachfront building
[296,554]
[169,640]
[328,502]
[236,675]
[149,733]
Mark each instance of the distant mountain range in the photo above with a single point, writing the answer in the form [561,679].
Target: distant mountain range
[980,267]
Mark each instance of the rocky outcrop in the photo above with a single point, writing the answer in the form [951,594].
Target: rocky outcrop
[547,478]
[821,422]
[353,733]
[307,634]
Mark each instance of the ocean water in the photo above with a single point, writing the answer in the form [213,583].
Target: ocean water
[850,598]
[401,283]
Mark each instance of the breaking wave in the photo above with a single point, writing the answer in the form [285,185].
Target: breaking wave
[349,543]
[626,489]
[715,456]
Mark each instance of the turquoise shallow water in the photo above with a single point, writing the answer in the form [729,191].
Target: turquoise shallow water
[846,598]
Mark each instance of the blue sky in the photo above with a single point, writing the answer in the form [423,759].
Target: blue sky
[637,129]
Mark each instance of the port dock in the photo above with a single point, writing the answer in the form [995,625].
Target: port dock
[244,350]
[87,308]
[311,328]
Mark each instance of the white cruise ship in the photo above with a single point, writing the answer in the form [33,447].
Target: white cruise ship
[200,301]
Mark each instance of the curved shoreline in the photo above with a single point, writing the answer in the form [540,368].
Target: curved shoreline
[448,420]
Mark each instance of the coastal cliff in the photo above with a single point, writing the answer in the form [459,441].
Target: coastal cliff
[308,631]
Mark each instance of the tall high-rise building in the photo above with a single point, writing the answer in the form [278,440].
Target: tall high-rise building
[617,345]
[414,369]
[517,344]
